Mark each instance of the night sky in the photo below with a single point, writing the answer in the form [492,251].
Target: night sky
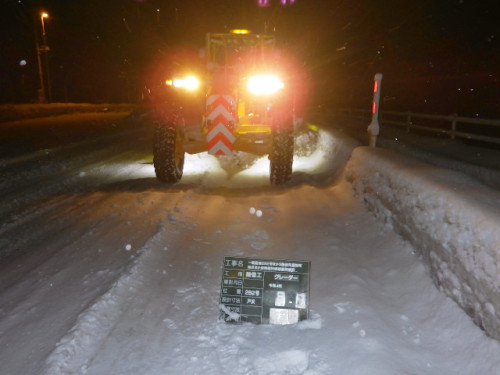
[437,56]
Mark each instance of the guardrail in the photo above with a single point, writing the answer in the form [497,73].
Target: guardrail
[484,130]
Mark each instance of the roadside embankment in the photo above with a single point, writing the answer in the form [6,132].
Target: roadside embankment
[15,112]
[451,220]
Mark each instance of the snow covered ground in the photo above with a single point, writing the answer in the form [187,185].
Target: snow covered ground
[449,217]
[111,272]
[19,112]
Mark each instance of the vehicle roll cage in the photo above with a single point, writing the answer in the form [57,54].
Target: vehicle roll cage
[220,47]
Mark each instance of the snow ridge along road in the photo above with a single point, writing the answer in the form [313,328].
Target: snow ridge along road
[93,326]
[118,274]
[450,218]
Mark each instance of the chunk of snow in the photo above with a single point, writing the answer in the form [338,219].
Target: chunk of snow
[292,362]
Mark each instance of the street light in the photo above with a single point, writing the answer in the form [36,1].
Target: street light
[43,15]
[44,48]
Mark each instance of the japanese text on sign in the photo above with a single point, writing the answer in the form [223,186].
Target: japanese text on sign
[264,290]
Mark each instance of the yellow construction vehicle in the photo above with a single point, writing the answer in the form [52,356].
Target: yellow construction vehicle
[243,97]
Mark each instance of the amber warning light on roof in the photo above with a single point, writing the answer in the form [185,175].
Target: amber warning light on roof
[240,31]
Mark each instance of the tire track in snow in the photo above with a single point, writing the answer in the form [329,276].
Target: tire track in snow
[61,267]
[169,323]
[77,348]
[25,181]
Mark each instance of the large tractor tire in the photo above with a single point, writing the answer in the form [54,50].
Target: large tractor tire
[281,156]
[168,153]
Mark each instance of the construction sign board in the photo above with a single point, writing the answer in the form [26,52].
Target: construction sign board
[264,291]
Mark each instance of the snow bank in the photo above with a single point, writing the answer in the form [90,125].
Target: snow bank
[452,220]
[14,112]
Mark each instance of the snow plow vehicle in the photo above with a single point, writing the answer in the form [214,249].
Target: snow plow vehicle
[242,97]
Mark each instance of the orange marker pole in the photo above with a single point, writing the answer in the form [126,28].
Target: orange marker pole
[374,127]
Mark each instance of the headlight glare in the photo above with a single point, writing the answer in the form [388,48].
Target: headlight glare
[190,83]
[264,84]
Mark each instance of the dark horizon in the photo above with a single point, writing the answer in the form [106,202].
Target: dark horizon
[439,58]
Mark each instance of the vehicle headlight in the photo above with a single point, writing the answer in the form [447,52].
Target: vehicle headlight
[264,84]
[190,83]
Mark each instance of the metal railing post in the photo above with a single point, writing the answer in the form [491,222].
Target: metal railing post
[408,122]
[453,126]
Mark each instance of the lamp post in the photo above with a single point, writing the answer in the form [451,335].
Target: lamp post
[43,15]
[39,49]
[45,48]
[41,91]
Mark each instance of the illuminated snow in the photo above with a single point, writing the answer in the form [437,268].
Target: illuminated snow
[76,303]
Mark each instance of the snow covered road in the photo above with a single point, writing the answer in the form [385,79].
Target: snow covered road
[106,271]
